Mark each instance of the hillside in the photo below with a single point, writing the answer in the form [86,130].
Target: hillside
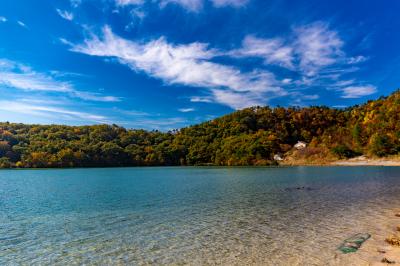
[250,136]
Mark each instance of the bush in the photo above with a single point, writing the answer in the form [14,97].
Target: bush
[381,145]
[5,162]
[342,151]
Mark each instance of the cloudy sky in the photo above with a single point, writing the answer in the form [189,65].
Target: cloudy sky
[164,64]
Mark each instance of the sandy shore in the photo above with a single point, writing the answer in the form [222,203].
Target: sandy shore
[375,251]
[362,160]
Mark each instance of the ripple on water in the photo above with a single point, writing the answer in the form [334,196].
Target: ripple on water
[231,216]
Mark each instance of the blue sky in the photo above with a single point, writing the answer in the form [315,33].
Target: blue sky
[170,63]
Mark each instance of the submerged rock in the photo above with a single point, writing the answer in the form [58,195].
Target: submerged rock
[353,243]
[385,260]
[393,240]
[385,249]
[298,188]
[380,250]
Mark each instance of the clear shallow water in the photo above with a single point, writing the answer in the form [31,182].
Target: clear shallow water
[140,216]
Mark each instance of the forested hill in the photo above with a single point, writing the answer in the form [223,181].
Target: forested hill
[247,137]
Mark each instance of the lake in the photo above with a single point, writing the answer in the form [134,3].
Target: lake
[189,215]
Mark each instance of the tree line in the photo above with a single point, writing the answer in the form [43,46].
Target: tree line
[251,136]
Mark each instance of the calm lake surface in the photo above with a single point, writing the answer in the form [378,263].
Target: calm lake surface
[197,216]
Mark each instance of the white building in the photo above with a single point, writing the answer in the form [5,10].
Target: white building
[300,145]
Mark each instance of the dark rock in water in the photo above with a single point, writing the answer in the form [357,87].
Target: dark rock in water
[381,250]
[393,240]
[385,249]
[353,243]
[298,188]
[385,260]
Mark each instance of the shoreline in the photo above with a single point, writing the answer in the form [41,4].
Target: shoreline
[357,161]
[367,162]
[348,162]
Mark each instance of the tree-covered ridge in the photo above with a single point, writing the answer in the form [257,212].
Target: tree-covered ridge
[247,137]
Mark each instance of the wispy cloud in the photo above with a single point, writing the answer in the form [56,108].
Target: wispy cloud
[188,65]
[313,54]
[197,99]
[65,41]
[273,51]
[22,24]
[186,110]
[42,110]
[238,100]
[190,5]
[3,19]
[19,76]
[357,59]
[358,91]
[234,3]
[129,2]
[91,96]
[161,123]
[307,50]
[156,122]
[318,47]
[65,14]
[75,3]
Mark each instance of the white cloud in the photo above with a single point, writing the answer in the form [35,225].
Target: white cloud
[197,99]
[75,3]
[357,59]
[65,41]
[162,123]
[312,52]
[129,2]
[190,5]
[22,24]
[49,111]
[344,83]
[238,100]
[138,13]
[273,51]
[3,19]
[65,14]
[339,106]
[311,97]
[358,91]
[91,96]
[318,47]
[234,3]
[186,110]
[309,49]
[188,65]
[32,81]
[19,76]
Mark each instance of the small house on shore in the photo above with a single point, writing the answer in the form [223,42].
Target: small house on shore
[300,145]
[278,157]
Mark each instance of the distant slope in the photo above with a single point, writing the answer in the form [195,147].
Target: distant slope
[247,137]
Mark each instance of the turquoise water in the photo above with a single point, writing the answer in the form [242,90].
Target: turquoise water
[140,216]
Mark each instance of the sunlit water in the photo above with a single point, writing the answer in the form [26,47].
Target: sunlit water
[196,216]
